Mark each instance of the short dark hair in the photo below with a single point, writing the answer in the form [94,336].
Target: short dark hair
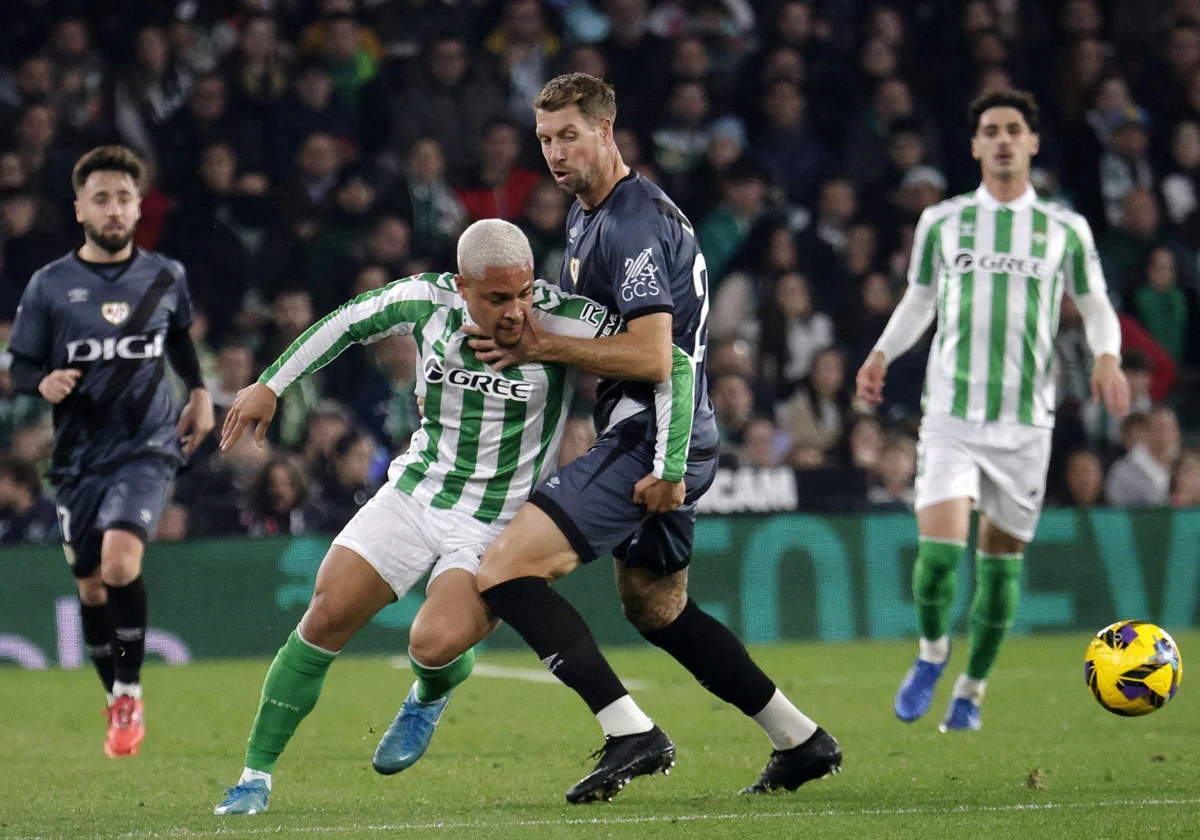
[594,97]
[1019,99]
[108,159]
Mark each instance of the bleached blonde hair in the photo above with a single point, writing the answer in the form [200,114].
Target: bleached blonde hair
[491,242]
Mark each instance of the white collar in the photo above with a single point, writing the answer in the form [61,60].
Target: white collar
[1022,202]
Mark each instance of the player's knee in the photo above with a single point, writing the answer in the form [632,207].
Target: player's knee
[650,610]
[435,643]
[92,592]
[120,557]
[326,624]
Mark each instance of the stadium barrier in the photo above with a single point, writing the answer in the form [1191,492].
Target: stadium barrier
[771,578]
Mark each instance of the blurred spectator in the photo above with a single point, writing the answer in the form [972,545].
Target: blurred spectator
[865,443]
[81,76]
[1084,486]
[448,99]
[280,500]
[793,333]
[681,134]
[29,242]
[1181,188]
[235,371]
[786,147]
[256,74]
[424,199]
[26,516]
[1126,249]
[351,63]
[318,37]
[323,428]
[892,487]
[1126,164]
[206,119]
[702,191]
[733,404]
[1142,478]
[722,234]
[349,486]
[760,444]
[500,185]
[309,193]
[17,411]
[310,108]
[1185,481]
[293,314]
[386,403]
[526,54]
[815,416]
[1160,303]
[545,226]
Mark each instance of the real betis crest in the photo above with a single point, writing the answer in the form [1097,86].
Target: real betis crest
[115,313]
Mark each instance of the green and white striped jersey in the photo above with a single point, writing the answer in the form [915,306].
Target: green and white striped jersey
[999,271]
[487,436]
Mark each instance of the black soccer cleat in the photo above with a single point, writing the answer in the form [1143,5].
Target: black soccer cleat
[816,758]
[621,759]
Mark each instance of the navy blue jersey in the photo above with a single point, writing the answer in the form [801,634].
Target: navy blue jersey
[110,323]
[636,253]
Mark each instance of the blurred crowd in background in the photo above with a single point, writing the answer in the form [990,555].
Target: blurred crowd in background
[305,151]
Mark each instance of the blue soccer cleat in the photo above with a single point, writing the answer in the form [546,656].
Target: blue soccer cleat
[916,691]
[962,715]
[409,735]
[248,797]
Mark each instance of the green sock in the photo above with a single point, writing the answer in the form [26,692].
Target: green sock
[997,589]
[289,693]
[436,683]
[935,576]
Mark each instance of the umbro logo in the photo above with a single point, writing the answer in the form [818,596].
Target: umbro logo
[552,662]
[553,482]
[146,516]
[77,295]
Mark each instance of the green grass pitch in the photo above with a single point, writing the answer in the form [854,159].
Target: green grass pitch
[1048,763]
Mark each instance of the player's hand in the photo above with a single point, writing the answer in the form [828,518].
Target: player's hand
[195,421]
[1110,385]
[253,404]
[658,496]
[57,385]
[869,382]
[530,347]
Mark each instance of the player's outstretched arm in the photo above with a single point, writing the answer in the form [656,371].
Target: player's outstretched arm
[642,353]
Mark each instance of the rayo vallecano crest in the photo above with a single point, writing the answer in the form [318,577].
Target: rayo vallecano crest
[574,269]
[115,313]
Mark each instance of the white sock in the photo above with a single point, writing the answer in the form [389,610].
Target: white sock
[133,690]
[936,651]
[973,690]
[248,774]
[112,698]
[784,724]
[623,717]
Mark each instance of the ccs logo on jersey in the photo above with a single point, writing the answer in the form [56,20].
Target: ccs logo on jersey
[483,381]
[641,277]
[129,347]
[115,313]
[965,261]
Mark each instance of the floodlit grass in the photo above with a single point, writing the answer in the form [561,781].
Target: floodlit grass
[1048,763]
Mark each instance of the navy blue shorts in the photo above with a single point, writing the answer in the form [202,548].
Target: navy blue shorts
[130,498]
[591,502]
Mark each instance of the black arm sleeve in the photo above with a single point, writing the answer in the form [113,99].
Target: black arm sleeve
[25,374]
[182,354]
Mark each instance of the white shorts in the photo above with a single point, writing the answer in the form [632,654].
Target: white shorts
[1001,466]
[403,539]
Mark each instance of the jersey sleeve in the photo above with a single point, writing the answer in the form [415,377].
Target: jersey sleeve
[392,310]
[181,316]
[674,410]
[1081,261]
[925,264]
[636,253]
[573,315]
[32,330]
